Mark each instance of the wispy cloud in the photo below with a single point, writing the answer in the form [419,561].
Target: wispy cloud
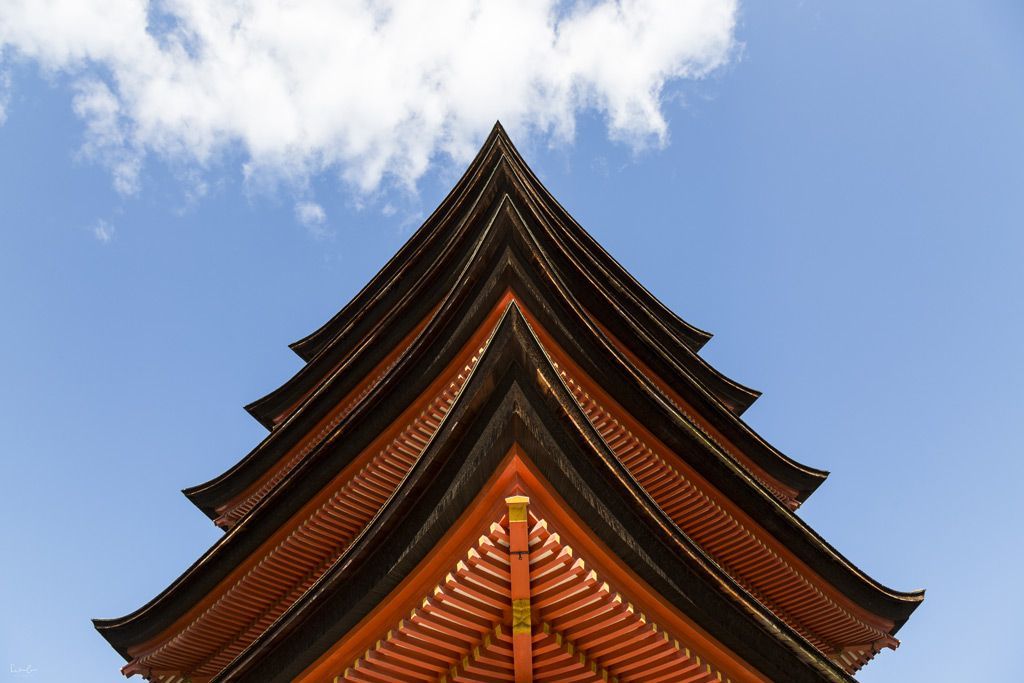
[373,90]
[108,137]
[313,217]
[103,231]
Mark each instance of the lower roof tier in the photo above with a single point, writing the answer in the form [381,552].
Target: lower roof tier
[248,602]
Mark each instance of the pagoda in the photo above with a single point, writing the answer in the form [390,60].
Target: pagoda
[505,460]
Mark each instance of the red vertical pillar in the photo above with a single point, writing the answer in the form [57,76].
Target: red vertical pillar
[519,558]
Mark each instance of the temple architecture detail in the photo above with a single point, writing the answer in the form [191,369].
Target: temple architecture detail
[505,460]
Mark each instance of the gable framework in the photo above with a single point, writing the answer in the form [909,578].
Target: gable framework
[509,267]
[525,602]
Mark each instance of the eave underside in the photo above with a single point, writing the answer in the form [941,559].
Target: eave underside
[356,500]
[440,488]
[573,622]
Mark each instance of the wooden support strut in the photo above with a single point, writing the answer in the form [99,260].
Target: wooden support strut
[519,561]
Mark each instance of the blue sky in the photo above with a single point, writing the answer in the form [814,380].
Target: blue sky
[840,199]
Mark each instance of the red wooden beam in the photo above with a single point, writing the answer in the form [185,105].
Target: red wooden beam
[519,557]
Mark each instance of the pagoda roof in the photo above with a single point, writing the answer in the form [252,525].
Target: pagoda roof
[511,322]
[515,399]
[433,264]
[403,383]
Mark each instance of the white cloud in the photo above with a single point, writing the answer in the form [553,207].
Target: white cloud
[313,216]
[371,89]
[103,231]
[107,136]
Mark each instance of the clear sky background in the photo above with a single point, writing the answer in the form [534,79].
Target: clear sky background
[840,200]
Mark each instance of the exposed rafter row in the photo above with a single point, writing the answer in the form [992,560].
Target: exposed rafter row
[740,551]
[460,633]
[666,393]
[584,631]
[232,514]
[787,500]
[248,607]
[598,625]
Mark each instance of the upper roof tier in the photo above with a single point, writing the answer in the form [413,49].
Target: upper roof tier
[352,349]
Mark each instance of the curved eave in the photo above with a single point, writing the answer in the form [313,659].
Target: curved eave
[402,274]
[368,420]
[641,398]
[803,479]
[416,369]
[354,378]
[515,397]
[738,396]
[312,344]
[210,495]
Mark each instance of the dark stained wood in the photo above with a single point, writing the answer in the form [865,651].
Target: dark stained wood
[499,244]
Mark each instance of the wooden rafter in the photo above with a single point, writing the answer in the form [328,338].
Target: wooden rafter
[579,630]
